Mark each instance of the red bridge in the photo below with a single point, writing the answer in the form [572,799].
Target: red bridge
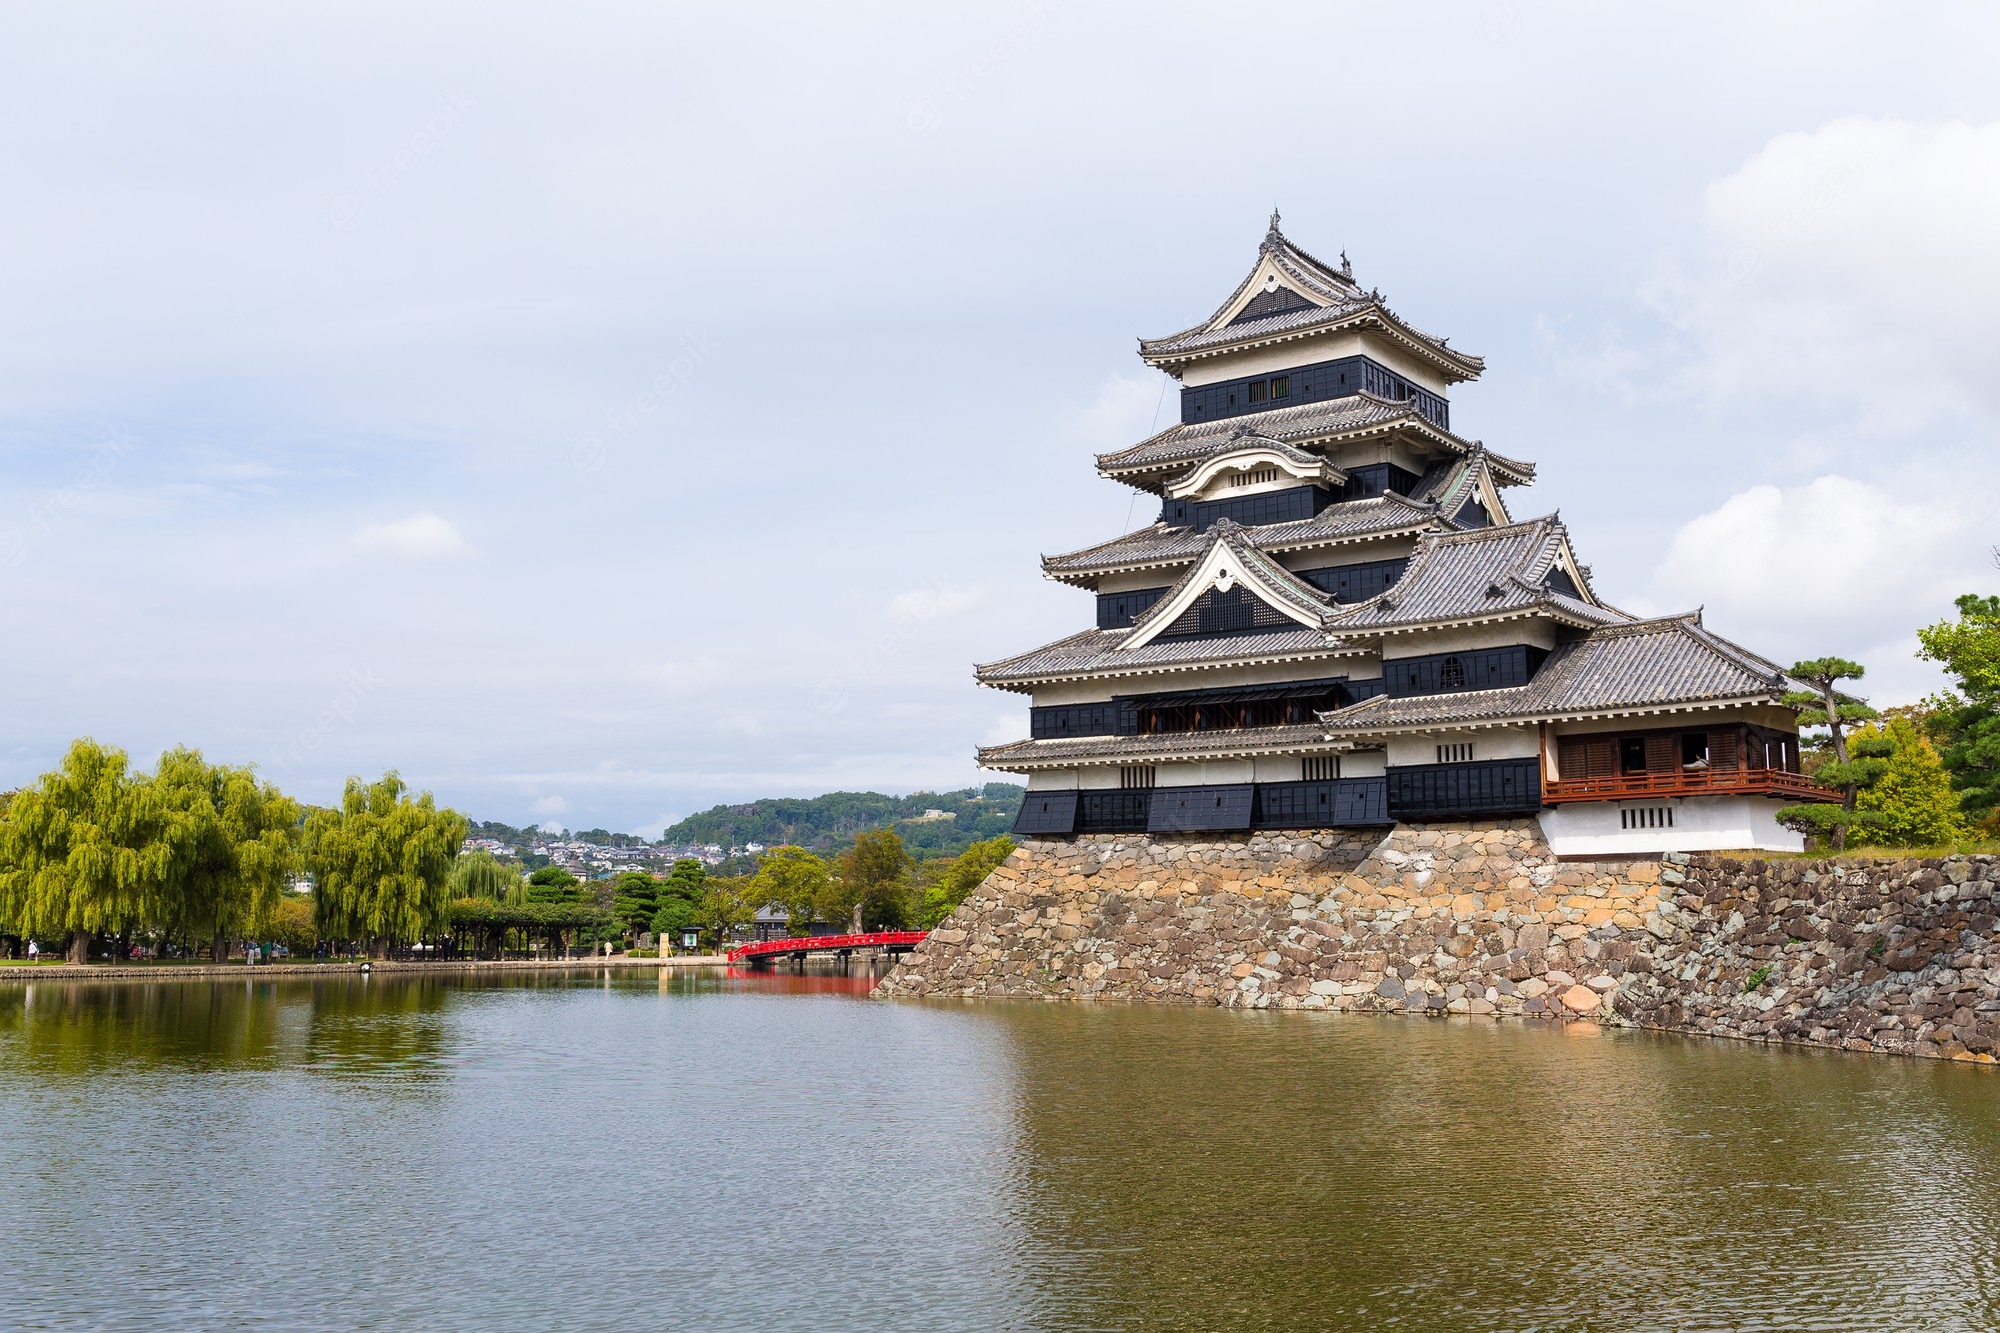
[798,946]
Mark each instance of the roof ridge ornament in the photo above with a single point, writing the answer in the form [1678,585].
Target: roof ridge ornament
[1346,269]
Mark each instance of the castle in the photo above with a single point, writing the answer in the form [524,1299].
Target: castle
[1336,622]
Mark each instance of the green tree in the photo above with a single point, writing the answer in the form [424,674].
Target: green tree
[553,884]
[232,840]
[635,898]
[481,874]
[727,906]
[381,862]
[1967,720]
[679,899]
[873,888]
[289,922]
[1847,769]
[954,880]
[78,852]
[796,880]
[1913,802]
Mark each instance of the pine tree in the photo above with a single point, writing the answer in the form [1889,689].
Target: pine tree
[1913,800]
[1843,768]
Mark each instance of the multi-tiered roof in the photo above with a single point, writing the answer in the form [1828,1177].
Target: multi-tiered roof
[1335,571]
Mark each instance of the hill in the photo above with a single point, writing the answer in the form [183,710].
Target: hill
[826,823]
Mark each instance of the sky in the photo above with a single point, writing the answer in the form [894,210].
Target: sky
[602,411]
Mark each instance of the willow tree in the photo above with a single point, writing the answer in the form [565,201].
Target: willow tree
[483,875]
[78,853]
[233,842]
[381,863]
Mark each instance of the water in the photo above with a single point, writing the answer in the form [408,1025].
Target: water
[780,1152]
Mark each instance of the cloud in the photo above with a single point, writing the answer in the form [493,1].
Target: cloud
[1856,263]
[929,603]
[1836,566]
[1007,727]
[1127,409]
[550,805]
[418,537]
[654,827]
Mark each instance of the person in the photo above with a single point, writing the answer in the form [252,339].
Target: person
[34,951]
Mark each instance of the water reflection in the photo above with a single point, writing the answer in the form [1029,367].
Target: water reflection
[770,1149]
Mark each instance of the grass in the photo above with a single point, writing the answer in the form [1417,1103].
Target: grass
[1757,978]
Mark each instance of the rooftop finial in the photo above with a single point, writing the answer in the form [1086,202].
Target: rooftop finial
[1346,269]
[1274,219]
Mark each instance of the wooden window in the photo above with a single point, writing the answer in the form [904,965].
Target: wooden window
[1281,386]
[1458,753]
[1646,816]
[1451,674]
[1259,391]
[1136,777]
[1631,754]
[1320,770]
[1663,753]
[1694,751]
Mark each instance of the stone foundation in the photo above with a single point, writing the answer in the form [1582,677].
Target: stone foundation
[1481,919]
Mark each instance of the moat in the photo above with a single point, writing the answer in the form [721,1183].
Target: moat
[781,1152]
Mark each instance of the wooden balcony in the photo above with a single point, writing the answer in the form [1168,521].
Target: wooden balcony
[1688,782]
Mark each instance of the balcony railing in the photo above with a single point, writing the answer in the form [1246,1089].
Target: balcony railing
[1688,782]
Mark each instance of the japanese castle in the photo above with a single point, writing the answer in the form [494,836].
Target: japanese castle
[1337,621]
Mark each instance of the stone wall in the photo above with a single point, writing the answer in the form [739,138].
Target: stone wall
[1482,919]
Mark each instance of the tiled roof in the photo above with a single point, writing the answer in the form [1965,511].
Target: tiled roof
[1098,651]
[1450,484]
[1163,545]
[1247,440]
[1641,665]
[1459,576]
[1274,583]
[1022,755]
[1336,299]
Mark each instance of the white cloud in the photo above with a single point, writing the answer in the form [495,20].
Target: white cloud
[419,537]
[1126,410]
[1855,262]
[550,805]
[1836,566]
[654,827]
[933,601]
[1007,727]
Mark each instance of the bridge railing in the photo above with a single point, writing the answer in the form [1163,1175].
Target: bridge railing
[814,943]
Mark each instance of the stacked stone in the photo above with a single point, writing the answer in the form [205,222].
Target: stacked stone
[1897,956]
[1470,919]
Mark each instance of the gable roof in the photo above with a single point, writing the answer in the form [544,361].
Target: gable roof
[1289,294]
[1485,574]
[1231,559]
[1329,421]
[1160,546]
[1456,482]
[1657,665]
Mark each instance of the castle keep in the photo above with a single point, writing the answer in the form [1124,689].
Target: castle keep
[1336,622]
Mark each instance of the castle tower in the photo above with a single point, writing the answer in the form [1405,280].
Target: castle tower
[1336,621]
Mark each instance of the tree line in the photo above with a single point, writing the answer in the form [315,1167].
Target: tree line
[195,854]
[1922,775]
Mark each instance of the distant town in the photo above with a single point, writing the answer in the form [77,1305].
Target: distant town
[731,838]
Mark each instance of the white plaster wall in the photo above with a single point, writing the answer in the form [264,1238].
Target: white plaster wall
[1145,578]
[1490,743]
[1052,779]
[1701,824]
[1310,351]
[1500,634]
[1363,764]
[1097,777]
[1071,692]
[1210,773]
[1277,768]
